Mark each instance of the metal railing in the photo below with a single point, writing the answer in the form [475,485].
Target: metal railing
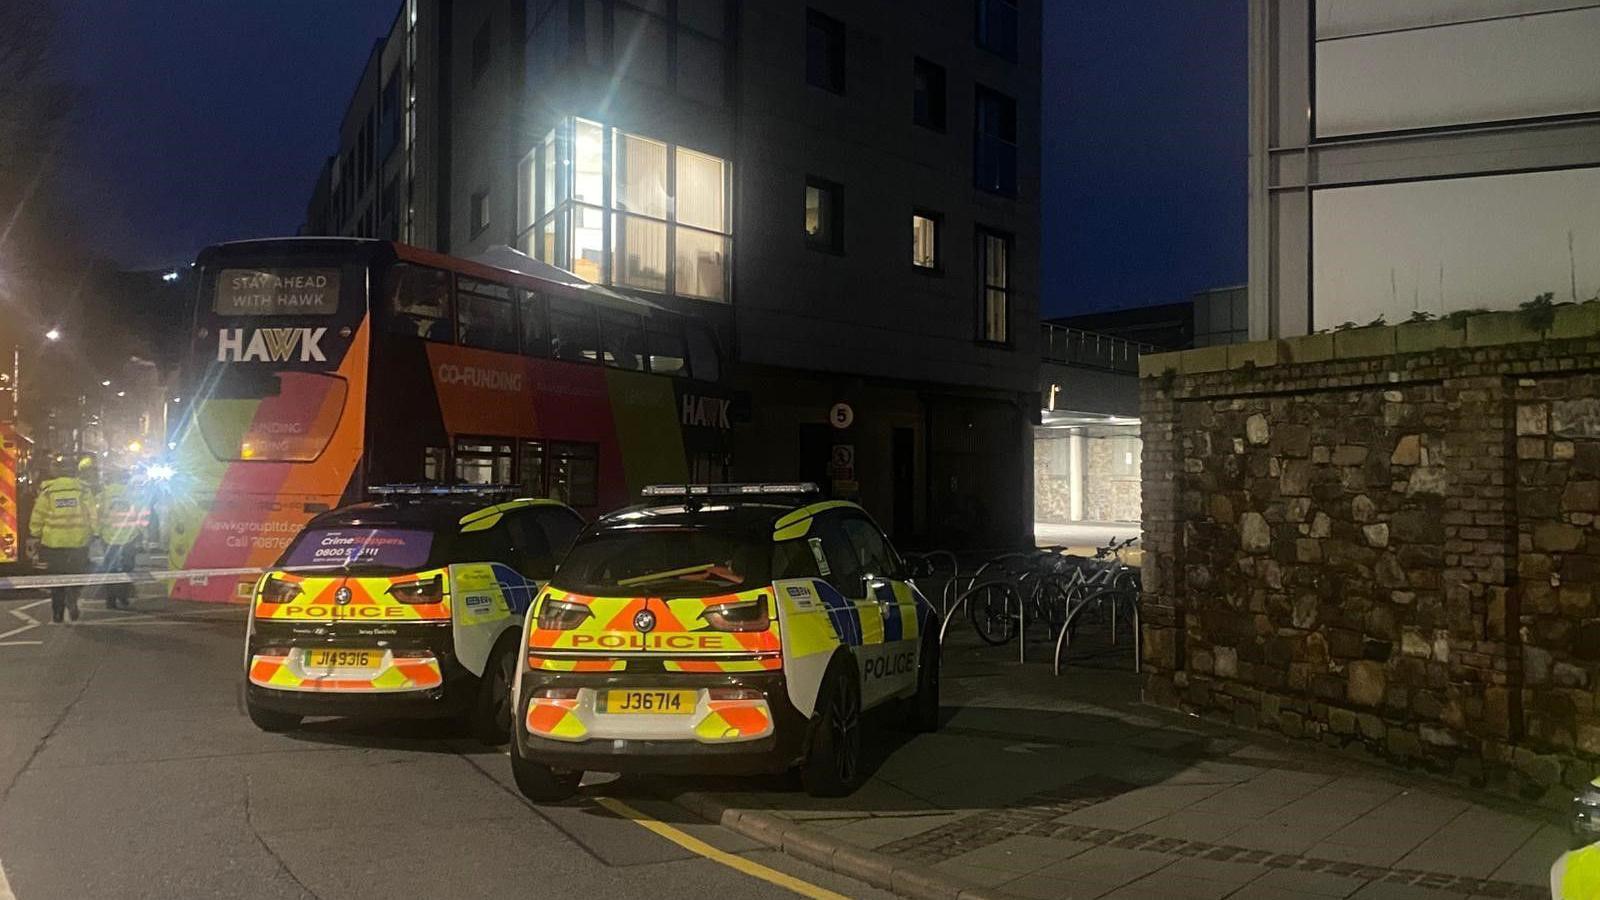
[1091,349]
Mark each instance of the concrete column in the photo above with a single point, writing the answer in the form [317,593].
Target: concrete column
[1075,473]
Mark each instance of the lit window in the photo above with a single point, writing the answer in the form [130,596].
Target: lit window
[641,253]
[924,240]
[483,462]
[588,162]
[641,175]
[994,287]
[824,212]
[668,221]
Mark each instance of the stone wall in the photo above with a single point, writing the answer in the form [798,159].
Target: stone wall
[1385,538]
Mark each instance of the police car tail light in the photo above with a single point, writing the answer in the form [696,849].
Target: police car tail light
[745,615]
[428,590]
[559,615]
[733,694]
[276,590]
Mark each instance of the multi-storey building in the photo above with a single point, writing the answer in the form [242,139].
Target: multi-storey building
[1420,158]
[848,192]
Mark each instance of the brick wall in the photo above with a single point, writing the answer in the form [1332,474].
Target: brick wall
[1385,538]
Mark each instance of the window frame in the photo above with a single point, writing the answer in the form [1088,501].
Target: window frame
[478,216]
[1007,290]
[980,28]
[937,220]
[831,238]
[982,139]
[481,54]
[919,67]
[830,74]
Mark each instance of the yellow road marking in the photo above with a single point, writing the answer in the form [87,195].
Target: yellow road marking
[731,860]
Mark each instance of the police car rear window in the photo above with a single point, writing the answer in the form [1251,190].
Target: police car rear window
[655,562]
[386,548]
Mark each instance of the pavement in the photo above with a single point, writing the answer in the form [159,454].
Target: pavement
[128,770]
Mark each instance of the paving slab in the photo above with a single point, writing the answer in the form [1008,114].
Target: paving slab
[1045,787]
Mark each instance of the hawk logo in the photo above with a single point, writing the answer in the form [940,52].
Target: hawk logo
[270,344]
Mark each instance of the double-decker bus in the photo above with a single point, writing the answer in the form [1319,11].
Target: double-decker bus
[321,366]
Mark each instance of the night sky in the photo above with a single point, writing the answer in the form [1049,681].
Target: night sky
[207,120]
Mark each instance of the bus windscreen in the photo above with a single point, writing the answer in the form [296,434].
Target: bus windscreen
[271,417]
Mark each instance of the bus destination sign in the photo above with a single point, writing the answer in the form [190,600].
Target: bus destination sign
[277,292]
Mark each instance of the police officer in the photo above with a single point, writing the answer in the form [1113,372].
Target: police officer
[124,515]
[63,521]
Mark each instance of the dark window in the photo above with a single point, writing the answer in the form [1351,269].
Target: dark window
[824,215]
[418,303]
[480,211]
[927,94]
[793,559]
[391,116]
[574,473]
[491,544]
[574,333]
[486,316]
[535,327]
[483,461]
[667,353]
[994,286]
[844,564]
[482,50]
[622,339]
[675,562]
[997,27]
[996,151]
[871,547]
[568,472]
[925,240]
[824,52]
[540,536]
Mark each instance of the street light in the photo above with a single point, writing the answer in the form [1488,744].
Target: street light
[54,334]
[122,393]
[105,382]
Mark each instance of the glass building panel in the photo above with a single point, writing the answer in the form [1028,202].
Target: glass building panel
[1486,242]
[701,264]
[701,187]
[588,243]
[588,162]
[641,175]
[1511,67]
[641,253]
[640,44]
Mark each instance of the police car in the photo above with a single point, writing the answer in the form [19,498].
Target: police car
[721,629]
[407,606]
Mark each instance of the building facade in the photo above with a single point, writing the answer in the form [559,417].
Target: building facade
[848,192]
[384,180]
[1421,158]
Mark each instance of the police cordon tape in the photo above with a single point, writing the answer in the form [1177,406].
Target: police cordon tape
[92,579]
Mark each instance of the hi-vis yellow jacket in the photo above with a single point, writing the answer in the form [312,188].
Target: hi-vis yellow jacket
[123,514]
[63,514]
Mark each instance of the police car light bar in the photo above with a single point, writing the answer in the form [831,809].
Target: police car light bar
[729,490]
[432,490]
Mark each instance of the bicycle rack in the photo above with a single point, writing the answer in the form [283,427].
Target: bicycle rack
[1116,595]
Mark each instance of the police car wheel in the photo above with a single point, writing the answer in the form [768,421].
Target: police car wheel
[540,783]
[272,720]
[924,707]
[490,719]
[833,763]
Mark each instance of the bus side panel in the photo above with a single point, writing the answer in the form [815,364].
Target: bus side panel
[644,410]
[243,513]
